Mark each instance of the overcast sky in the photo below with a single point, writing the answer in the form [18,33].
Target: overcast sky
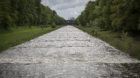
[66,8]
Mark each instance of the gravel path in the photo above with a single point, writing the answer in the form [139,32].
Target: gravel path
[67,53]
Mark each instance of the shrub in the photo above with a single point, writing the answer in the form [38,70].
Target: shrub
[124,35]
[53,25]
[127,42]
[88,24]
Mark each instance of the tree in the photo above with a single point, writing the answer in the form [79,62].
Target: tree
[26,12]
[5,17]
[116,15]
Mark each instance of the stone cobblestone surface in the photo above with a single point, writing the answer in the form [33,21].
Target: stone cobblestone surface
[67,53]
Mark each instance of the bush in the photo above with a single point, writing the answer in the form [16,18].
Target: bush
[127,42]
[95,32]
[88,25]
[53,25]
[124,35]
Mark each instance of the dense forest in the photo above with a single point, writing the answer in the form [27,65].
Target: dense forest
[116,15]
[26,12]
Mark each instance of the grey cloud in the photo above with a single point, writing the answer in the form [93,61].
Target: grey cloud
[66,8]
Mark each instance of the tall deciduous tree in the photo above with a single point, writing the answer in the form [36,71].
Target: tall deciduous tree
[26,12]
[116,15]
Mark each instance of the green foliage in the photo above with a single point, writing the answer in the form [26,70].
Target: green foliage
[87,15]
[116,15]
[88,25]
[26,12]
[95,28]
[53,25]
[17,36]
[124,35]
[124,43]
[113,16]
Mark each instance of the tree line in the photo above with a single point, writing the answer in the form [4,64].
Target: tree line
[26,12]
[116,15]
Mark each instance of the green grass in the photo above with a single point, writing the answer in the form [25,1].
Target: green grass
[22,34]
[129,45]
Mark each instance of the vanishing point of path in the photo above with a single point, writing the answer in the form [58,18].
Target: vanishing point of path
[67,53]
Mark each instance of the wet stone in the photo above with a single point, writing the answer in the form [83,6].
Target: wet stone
[67,53]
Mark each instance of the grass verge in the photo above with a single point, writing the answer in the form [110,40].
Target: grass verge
[22,34]
[130,45]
